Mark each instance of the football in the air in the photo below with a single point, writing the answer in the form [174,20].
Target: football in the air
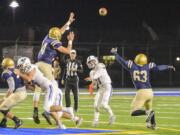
[103,11]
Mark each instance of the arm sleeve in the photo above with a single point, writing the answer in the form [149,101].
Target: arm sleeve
[11,84]
[126,64]
[155,67]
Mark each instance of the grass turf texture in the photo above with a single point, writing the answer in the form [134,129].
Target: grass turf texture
[167,115]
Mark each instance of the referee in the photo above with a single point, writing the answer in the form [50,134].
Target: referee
[73,67]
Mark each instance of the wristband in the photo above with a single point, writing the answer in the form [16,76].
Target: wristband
[70,42]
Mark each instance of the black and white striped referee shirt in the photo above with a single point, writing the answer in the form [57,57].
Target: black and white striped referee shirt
[73,67]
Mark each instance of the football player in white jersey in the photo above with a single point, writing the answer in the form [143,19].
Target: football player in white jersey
[30,73]
[101,80]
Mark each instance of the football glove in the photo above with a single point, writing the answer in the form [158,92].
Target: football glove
[172,67]
[114,50]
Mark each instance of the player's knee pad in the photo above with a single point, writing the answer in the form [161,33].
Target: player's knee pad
[4,112]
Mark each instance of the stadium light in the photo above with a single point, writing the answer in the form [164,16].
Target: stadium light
[178,59]
[14,4]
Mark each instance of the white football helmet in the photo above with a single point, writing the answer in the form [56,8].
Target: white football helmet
[92,61]
[24,64]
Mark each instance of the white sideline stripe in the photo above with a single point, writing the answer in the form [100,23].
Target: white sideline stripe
[116,123]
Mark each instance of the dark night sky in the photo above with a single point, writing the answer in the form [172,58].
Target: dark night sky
[122,26]
[123,15]
[120,11]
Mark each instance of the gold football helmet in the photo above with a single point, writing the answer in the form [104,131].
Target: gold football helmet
[55,33]
[141,59]
[7,63]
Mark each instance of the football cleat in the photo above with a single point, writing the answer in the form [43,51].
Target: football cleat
[151,123]
[79,121]
[148,125]
[47,117]
[3,123]
[18,123]
[151,114]
[112,120]
[153,126]
[61,126]
[36,117]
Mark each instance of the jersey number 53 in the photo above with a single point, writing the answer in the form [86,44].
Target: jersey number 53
[140,75]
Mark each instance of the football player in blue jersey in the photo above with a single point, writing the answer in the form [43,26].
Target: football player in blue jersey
[16,92]
[140,73]
[50,47]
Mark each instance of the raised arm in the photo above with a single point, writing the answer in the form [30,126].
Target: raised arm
[68,23]
[123,62]
[155,67]
[66,50]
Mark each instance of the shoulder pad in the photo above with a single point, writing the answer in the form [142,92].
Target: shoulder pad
[6,72]
[54,42]
[151,65]
[101,65]
[130,62]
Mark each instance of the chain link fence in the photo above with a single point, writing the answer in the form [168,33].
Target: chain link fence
[120,77]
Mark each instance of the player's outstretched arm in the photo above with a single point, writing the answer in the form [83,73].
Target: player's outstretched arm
[68,23]
[27,77]
[164,67]
[66,50]
[119,59]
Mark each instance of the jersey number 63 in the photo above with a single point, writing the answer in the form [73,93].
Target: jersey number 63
[140,75]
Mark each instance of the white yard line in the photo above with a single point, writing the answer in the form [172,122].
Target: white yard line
[160,105]
[117,123]
[85,114]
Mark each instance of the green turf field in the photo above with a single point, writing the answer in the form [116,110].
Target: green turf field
[167,115]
